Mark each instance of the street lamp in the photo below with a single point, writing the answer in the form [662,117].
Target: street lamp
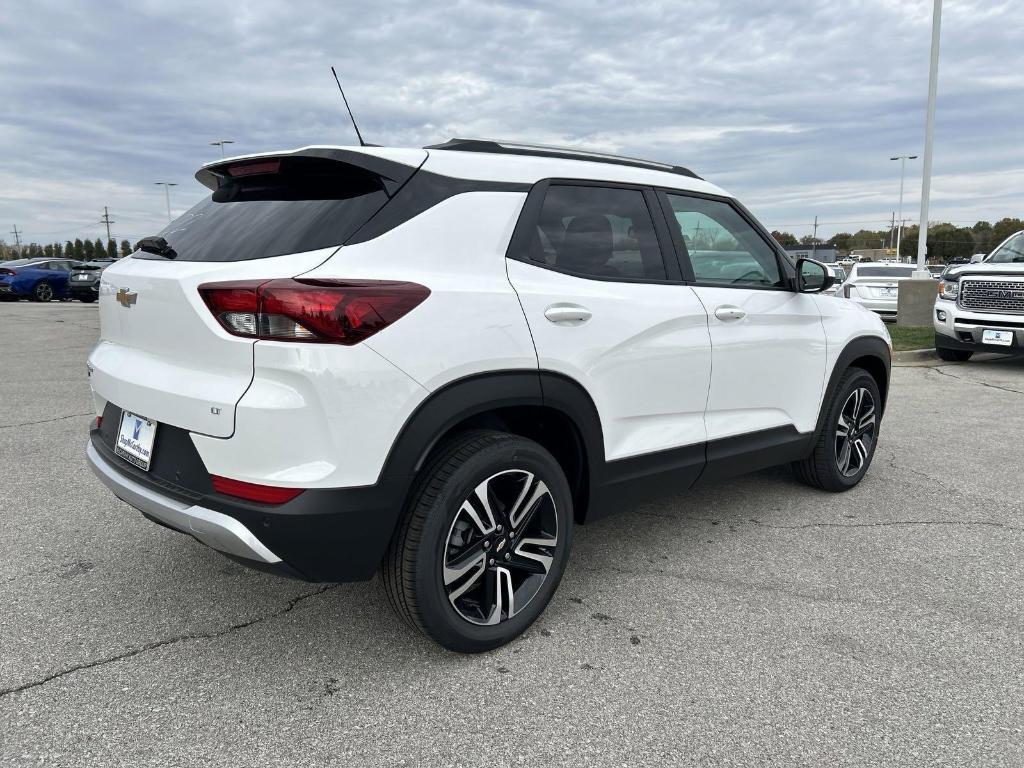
[220,143]
[899,226]
[167,190]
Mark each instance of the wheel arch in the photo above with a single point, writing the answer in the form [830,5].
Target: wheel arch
[546,407]
[870,353]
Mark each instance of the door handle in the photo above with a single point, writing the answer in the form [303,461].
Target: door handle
[567,314]
[728,312]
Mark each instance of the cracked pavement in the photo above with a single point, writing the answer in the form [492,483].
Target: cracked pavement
[753,622]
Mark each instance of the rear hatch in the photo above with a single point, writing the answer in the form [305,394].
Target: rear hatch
[880,282]
[161,352]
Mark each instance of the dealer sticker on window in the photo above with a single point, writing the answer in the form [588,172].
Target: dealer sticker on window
[135,440]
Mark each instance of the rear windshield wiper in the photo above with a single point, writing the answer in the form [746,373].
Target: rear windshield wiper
[157,245]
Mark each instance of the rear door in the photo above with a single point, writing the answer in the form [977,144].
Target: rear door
[161,352]
[609,311]
[768,342]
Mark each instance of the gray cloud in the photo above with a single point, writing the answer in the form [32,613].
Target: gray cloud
[793,106]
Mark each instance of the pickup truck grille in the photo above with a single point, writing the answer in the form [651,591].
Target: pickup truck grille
[993,295]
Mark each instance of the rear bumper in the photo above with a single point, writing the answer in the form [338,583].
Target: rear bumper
[880,306]
[216,530]
[332,534]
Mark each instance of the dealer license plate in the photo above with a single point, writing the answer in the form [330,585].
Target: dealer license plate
[135,440]
[888,293]
[1001,338]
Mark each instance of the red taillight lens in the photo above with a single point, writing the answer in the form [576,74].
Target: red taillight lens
[265,494]
[5,271]
[317,311]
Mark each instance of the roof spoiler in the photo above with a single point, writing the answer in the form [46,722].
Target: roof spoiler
[392,174]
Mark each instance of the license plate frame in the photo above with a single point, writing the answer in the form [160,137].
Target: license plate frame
[136,436]
[888,292]
[999,338]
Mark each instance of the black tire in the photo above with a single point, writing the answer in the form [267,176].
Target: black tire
[824,467]
[953,355]
[417,561]
[42,291]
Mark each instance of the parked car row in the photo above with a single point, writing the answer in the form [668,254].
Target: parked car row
[42,279]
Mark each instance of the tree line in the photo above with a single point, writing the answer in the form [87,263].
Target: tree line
[82,250]
[945,241]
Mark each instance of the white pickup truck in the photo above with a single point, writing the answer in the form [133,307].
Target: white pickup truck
[980,306]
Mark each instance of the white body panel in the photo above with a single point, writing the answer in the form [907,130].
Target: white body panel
[316,416]
[166,357]
[472,321]
[644,356]
[768,366]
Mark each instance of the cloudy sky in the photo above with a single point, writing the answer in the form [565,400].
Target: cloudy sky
[793,106]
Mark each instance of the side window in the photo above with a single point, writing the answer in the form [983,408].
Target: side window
[597,232]
[722,246]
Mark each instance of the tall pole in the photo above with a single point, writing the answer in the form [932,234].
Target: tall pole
[17,237]
[814,238]
[929,137]
[107,220]
[167,190]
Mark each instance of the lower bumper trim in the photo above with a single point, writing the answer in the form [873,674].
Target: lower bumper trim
[215,529]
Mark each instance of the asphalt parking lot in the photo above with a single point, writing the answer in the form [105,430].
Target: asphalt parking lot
[748,623]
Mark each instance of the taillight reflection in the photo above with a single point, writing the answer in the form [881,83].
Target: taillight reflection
[318,311]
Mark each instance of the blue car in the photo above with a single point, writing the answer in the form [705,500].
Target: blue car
[36,279]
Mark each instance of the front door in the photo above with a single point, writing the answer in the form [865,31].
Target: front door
[767,341]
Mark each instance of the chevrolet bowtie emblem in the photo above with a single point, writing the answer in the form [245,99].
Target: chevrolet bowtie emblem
[126,297]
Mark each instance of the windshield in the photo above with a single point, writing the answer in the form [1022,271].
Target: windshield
[1010,252]
[891,272]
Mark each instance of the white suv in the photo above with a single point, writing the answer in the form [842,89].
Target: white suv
[433,362]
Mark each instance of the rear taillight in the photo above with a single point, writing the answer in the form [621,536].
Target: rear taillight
[316,311]
[265,494]
[5,271]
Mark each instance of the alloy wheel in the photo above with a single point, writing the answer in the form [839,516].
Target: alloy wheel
[44,292]
[500,547]
[855,432]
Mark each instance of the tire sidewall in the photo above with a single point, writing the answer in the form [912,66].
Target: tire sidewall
[853,380]
[437,614]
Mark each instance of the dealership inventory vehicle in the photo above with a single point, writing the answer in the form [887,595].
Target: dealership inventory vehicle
[84,281]
[433,362]
[876,286]
[36,279]
[980,306]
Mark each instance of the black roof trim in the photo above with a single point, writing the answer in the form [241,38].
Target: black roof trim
[563,153]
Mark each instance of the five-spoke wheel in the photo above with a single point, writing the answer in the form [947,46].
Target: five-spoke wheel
[855,432]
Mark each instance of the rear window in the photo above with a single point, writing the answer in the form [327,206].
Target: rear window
[885,271]
[306,204]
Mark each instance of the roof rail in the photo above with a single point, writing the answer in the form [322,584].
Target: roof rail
[564,153]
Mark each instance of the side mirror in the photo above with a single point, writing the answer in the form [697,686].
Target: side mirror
[812,276]
[978,258]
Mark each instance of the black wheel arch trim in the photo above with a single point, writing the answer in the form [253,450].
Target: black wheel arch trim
[858,349]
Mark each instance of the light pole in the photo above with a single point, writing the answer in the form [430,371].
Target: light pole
[929,137]
[899,226]
[167,190]
[220,143]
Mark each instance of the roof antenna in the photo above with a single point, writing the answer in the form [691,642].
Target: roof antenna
[358,134]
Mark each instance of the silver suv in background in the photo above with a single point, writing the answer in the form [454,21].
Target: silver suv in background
[876,286]
[980,306]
